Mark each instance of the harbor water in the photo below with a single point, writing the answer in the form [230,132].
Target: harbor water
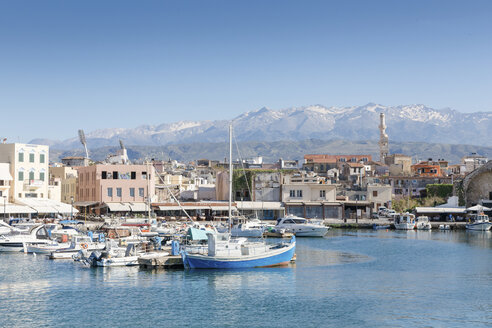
[350,278]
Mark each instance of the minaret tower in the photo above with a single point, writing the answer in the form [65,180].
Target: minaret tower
[383,139]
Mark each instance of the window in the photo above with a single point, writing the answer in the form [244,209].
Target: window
[322,193]
[132,192]
[115,175]
[133,175]
[21,157]
[41,158]
[118,192]
[374,193]
[144,175]
[31,175]
[31,158]
[104,175]
[141,192]
[292,193]
[21,176]
[110,192]
[299,193]
[41,176]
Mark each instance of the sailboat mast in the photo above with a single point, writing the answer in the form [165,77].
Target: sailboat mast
[230,175]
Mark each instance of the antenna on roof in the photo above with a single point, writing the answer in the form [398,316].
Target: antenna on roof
[121,144]
[83,141]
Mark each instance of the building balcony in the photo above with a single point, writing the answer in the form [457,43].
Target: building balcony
[33,184]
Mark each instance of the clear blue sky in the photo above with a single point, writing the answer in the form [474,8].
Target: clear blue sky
[126,63]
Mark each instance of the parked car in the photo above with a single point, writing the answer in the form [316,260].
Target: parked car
[389,213]
[382,210]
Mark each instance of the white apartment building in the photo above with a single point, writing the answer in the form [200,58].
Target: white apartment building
[5,180]
[28,168]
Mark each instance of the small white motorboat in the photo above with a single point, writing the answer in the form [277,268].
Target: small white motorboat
[15,241]
[301,227]
[422,223]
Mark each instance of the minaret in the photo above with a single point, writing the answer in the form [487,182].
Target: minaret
[383,139]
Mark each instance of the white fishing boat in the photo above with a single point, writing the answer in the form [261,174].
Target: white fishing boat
[479,222]
[301,227]
[15,241]
[405,222]
[224,252]
[422,223]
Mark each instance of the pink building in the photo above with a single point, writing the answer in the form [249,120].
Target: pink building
[127,185]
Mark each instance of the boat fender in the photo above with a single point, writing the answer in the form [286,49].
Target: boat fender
[84,245]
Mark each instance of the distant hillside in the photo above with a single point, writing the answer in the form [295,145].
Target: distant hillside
[405,123]
[272,151]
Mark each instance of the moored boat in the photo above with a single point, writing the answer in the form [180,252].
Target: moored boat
[15,241]
[405,222]
[422,223]
[479,222]
[301,227]
[226,253]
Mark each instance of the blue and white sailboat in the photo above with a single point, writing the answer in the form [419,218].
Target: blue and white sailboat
[224,252]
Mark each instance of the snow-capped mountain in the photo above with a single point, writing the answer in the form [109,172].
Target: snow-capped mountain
[404,123]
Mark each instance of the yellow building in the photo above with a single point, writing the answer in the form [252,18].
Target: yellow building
[68,180]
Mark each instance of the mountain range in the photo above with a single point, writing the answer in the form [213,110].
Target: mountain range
[408,123]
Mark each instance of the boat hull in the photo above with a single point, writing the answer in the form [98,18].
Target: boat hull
[484,226]
[278,257]
[404,226]
[113,262]
[11,247]
[313,232]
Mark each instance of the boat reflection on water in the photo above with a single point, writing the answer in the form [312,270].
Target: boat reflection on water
[482,239]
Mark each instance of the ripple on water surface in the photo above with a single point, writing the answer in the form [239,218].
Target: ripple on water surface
[349,278]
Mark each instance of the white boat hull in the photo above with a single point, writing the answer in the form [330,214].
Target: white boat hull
[483,226]
[423,226]
[404,226]
[311,232]
[45,249]
[118,261]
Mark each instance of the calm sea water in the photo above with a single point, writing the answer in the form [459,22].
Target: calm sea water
[347,279]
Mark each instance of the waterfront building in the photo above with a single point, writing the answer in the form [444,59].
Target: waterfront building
[29,169]
[412,186]
[115,188]
[310,196]
[68,182]
[5,180]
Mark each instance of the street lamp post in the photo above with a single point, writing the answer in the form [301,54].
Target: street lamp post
[71,208]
